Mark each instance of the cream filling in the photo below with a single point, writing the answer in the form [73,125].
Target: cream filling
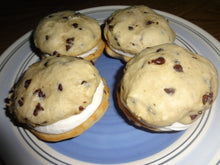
[121,52]
[93,50]
[174,127]
[72,122]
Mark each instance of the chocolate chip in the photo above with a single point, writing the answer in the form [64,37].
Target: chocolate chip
[159,61]
[149,22]
[109,20]
[92,62]
[65,17]
[21,102]
[169,91]
[69,43]
[75,25]
[110,27]
[37,109]
[83,82]
[46,63]
[178,68]
[207,98]
[70,40]
[81,108]
[40,93]
[116,39]
[56,53]
[43,123]
[159,50]
[194,57]
[193,117]
[68,47]
[60,87]
[130,28]
[27,83]
[46,37]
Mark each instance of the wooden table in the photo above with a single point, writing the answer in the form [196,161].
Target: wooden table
[22,16]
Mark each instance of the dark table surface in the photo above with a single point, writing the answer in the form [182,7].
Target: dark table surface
[23,16]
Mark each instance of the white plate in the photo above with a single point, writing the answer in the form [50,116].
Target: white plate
[113,140]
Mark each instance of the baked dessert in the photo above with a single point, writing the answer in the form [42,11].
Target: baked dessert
[59,97]
[69,33]
[167,88]
[128,31]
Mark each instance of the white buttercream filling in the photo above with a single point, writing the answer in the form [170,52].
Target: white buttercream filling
[72,122]
[93,50]
[121,52]
[174,127]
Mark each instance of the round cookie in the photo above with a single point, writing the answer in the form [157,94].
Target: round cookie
[55,89]
[128,31]
[167,87]
[69,33]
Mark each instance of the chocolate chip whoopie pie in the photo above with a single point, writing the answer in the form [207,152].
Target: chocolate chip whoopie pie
[128,31]
[69,33]
[59,98]
[167,88]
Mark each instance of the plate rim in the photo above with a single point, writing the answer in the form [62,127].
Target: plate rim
[14,44]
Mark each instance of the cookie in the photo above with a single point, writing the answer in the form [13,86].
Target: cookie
[59,97]
[128,31]
[69,33]
[167,87]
